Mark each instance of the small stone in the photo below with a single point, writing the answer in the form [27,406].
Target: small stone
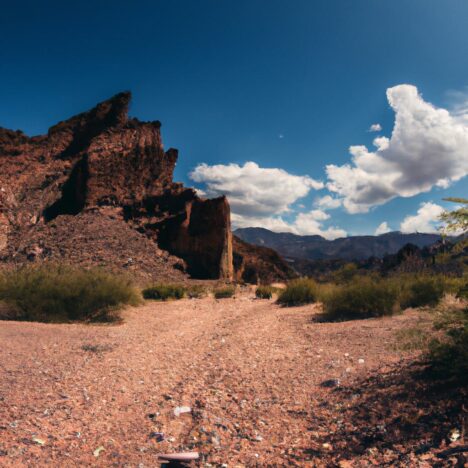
[330,383]
[454,435]
[98,451]
[38,441]
[361,361]
[181,410]
[158,436]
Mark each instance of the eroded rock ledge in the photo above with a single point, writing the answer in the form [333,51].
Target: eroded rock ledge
[101,168]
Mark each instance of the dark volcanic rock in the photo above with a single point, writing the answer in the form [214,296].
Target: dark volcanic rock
[104,163]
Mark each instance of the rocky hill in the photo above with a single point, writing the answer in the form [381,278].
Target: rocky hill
[346,248]
[255,264]
[98,190]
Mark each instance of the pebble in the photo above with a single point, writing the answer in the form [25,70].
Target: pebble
[330,383]
[181,410]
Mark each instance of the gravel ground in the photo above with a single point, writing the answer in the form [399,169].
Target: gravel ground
[264,385]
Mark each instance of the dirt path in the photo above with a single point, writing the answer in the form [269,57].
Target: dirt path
[250,371]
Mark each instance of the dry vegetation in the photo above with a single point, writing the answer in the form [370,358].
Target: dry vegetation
[59,293]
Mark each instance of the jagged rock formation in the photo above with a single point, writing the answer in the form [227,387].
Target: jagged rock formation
[98,189]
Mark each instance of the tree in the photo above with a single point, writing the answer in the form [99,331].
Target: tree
[456,220]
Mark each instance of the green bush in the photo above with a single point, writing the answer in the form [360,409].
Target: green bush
[345,274]
[55,293]
[298,292]
[265,292]
[422,291]
[164,292]
[224,293]
[361,298]
[462,292]
[448,353]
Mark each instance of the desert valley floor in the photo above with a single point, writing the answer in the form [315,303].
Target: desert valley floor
[267,386]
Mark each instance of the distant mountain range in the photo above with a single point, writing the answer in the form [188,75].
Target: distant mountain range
[346,248]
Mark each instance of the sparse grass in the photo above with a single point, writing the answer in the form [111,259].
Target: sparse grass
[224,293]
[265,292]
[164,292]
[298,292]
[412,339]
[96,348]
[58,293]
[361,298]
[196,291]
[448,351]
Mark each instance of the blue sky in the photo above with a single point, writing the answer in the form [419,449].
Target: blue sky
[287,85]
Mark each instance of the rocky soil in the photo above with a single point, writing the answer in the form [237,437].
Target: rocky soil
[264,386]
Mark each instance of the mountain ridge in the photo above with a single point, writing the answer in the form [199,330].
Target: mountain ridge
[315,247]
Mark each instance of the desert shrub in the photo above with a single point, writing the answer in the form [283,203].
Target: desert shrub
[224,293]
[164,292]
[412,339]
[453,285]
[324,290]
[57,293]
[196,291]
[448,352]
[265,292]
[422,291]
[361,298]
[298,292]
[345,274]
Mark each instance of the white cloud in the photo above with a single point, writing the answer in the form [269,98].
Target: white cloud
[328,203]
[273,223]
[459,104]
[201,193]
[375,128]
[253,190]
[382,228]
[425,220]
[304,224]
[259,196]
[428,147]
[310,224]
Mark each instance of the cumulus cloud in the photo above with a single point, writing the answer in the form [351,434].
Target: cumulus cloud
[425,220]
[375,128]
[310,224]
[259,196]
[459,104]
[428,147]
[382,228]
[253,190]
[328,203]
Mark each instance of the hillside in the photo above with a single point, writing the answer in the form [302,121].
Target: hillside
[346,248]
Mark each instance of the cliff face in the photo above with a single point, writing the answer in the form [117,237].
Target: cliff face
[105,165]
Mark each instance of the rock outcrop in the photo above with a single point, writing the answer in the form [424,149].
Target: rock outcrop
[110,175]
[259,265]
